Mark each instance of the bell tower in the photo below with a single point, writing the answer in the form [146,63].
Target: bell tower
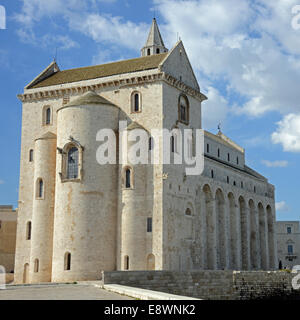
[154,44]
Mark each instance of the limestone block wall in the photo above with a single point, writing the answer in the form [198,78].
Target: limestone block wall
[210,285]
[43,209]
[8,229]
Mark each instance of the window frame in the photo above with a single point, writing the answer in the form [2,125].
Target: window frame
[64,164]
[133,102]
[187,112]
[28,230]
[45,115]
[31,155]
[38,194]
[67,261]
[149,225]
[124,178]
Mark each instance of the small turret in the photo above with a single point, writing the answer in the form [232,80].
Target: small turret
[154,44]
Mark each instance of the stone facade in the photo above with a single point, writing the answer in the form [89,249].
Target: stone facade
[8,230]
[211,285]
[288,243]
[85,217]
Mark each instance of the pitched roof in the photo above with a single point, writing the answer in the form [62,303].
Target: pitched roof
[101,71]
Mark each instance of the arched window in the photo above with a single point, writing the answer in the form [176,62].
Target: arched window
[36,265]
[128,178]
[172,143]
[136,102]
[67,262]
[148,52]
[188,212]
[183,109]
[28,230]
[48,115]
[151,143]
[212,174]
[242,184]
[72,163]
[157,51]
[126,263]
[40,189]
[30,155]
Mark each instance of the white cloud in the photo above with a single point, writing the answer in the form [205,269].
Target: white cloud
[282,206]
[249,45]
[288,133]
[275,164]
[214,109]
[1,182]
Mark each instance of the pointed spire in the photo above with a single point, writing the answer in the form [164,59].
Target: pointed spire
[155,43]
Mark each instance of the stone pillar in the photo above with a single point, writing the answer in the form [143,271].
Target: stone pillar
[200,207]
[227,233]
[247,236]
[214,235]
[238,265]
[257,258]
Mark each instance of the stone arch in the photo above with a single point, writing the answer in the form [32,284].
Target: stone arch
[244,232]
[270,224]
[26,273]
[253,236]
[151,262]
[210,227]
[262,236]
[234,263]
[220,230]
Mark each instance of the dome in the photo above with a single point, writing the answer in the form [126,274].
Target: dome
[90,97]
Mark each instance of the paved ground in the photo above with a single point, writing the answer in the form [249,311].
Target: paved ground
[59,292]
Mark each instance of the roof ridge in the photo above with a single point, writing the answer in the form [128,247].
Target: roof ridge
[112,62]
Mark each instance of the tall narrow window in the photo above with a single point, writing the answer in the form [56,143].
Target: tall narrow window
[136,102]
[149,224]
[40,189]
[289,230]
[228,157]
[172,143]
[157,51]
[290,249]
[126,263]
[28,230]
[148,52]
[36,265]
[72,169]
[218,153]
[128,178]
[183,109]
[151,143]
[227,179]
[237,160]
[212,174]
[67,262]
[30,155]
[48,115]
[242,184]
[207,148]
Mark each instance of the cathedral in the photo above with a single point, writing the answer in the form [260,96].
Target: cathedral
[77,217]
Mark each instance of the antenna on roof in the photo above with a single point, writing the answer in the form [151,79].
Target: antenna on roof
[55,57]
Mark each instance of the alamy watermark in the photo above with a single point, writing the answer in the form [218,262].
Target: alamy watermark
[296,279]
[2,278]
[159,146]
[296,19]
[2,18]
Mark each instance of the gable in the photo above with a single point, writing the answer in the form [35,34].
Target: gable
[177,64]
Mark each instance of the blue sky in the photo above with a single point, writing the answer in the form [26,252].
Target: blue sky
[246,56]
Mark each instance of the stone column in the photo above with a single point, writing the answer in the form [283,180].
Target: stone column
[214,235]
[257,261]
[238,265]
[203,235]
[227,233]
[247,236]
